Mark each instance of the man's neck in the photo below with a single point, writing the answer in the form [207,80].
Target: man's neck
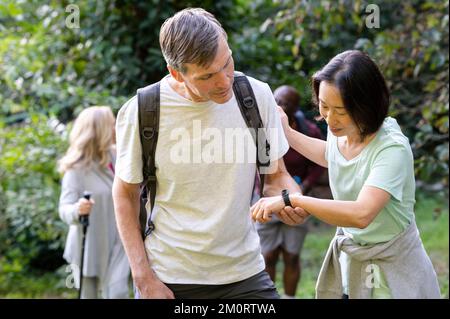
[182,90]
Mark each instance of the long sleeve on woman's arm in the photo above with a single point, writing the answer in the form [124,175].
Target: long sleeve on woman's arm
[71,192]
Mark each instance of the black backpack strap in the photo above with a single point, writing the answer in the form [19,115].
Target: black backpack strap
[250,111]
[148,105]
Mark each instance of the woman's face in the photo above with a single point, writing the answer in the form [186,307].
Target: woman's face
[332,109]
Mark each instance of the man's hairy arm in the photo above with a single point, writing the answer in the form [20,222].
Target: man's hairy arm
[279,180]
[126,206]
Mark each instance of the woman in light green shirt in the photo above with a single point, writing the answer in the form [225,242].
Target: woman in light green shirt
[370,166]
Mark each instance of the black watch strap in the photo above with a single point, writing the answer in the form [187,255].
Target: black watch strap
[285,195]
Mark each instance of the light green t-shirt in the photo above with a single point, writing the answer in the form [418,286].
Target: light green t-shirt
[386,163]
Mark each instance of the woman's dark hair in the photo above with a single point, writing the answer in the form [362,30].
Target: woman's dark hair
[362,88]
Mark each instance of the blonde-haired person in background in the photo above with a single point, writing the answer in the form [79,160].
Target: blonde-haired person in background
[88,165]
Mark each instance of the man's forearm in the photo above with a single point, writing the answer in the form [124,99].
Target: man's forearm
[278,182]
[126,206]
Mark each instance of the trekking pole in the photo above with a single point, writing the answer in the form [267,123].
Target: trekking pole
[84,220]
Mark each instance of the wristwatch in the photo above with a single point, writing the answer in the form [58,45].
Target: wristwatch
[285,195]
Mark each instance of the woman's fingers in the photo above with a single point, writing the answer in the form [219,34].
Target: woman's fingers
[284,119]
[293,216]
[296,218]
[289,209]
[281,111]
[84,206]
[299,215]
[285,217]
[301,212]
[262,211]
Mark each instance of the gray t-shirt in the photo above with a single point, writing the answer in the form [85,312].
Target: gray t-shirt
[205,171]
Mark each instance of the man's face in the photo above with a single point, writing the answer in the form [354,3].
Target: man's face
[214,83]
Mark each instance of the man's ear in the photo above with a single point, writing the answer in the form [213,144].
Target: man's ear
[175,74]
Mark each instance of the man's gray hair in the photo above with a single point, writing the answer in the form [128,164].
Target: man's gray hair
[190,36]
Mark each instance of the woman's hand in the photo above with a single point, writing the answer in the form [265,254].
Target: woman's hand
[293,216]
[284,121]
[262,210]
[85,206]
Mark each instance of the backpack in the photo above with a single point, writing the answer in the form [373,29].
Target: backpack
[149,104]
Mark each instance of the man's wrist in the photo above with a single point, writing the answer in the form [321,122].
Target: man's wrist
[144,277]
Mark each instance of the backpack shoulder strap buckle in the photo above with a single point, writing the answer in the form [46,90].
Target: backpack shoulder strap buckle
[148,132]
[248,102]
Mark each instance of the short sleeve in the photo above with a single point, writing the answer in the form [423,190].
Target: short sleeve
[128,144]
[272,122]
[388,170]
[328,144]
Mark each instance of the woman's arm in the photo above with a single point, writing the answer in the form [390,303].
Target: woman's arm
[312,148]
[71,203]
[71,191]
[359,213]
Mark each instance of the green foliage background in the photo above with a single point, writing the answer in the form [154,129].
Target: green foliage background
[49,72]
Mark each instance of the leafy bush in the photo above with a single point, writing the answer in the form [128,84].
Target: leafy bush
[16,283]
[50,70]
[414,57]
[49,67]
[30,229]
[294,39]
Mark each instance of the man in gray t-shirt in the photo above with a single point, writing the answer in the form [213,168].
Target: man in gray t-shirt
[204,244]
